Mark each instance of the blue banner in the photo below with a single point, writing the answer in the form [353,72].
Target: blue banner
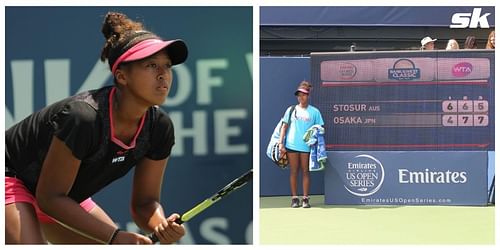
[53,52]
[435,16]
[406,178]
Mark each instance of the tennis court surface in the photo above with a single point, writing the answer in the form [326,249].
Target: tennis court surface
[334,224]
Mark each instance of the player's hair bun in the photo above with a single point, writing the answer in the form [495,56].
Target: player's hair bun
[115,28]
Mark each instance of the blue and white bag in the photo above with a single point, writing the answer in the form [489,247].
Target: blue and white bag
[273,151]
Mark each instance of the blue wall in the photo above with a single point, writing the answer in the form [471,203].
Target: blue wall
[279,78]
[53,52]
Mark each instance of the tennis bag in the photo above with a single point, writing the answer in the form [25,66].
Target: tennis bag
[273,151]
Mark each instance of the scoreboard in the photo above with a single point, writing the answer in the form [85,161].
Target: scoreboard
[410,100]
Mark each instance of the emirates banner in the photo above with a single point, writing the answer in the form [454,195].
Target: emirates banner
[406,178]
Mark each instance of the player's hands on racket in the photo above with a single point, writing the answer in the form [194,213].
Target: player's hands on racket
[124,237]
[176,220]
[169,231]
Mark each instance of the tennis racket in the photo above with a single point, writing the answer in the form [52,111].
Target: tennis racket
[229,188]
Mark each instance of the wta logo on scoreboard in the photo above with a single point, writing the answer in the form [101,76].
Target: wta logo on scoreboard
[461,69]
[404,70]
[364,175]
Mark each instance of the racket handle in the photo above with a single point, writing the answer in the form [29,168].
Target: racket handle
[153,236]
[179,221]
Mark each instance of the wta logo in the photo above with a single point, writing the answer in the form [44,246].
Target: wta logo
[461,69]
[364,175]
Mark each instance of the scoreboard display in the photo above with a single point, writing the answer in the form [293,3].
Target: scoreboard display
[411,100]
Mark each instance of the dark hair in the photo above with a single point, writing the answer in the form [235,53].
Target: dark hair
[305,85]
[470,43]
[121,33]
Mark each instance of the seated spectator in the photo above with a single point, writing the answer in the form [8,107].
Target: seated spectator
[427,43]
[452,45]
[490,44]
[470,42]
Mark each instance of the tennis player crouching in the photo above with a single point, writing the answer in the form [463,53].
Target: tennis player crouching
[58,157]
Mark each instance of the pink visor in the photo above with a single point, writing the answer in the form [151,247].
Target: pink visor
[177,51]
[302,90]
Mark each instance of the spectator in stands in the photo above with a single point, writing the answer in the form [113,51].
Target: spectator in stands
[470,42]
[427,43]
[490,44]
[452,45]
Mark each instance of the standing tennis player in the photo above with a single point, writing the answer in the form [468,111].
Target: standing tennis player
[303,117]
[58,157]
